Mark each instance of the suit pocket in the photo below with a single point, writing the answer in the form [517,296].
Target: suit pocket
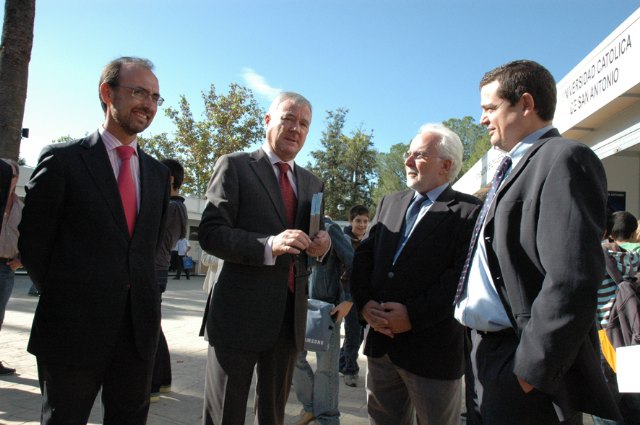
[513,205]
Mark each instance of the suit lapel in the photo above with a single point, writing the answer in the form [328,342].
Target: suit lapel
[96,160]
[261,165]
[393,219]
[145,180]
[432,219]
[518,170]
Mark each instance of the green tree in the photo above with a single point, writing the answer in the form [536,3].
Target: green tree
[230,123]
[475,139]
[345,164]
[390,170]
[15,54]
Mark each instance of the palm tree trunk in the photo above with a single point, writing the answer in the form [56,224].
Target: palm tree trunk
[15,54]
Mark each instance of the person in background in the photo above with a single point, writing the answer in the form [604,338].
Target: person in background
[93,219]
[529,285]
[318,391]
[175,228]
[9,254]
[256,219]
[628,264]
[624,230]
[353,329]
[182,247]
[404,279]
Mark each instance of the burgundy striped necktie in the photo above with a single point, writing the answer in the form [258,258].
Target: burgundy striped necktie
[291,206]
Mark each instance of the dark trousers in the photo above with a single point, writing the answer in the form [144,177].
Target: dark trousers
[162,362]
[228,380]
[496,395]
[180,267]
[69,391]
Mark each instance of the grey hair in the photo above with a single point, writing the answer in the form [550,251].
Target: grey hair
[298,99]
[449,147]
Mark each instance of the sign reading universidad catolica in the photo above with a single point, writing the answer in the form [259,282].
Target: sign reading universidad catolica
[608,71]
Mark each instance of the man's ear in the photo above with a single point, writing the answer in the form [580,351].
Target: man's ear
[105,93]
[528,104]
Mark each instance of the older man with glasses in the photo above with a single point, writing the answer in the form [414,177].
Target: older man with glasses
[403,282]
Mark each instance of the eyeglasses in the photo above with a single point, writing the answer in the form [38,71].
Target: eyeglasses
[418,155]
[143,94]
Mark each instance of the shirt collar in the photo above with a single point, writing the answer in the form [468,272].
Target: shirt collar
[433,194]
[273,158]
[520,149]
[111,142]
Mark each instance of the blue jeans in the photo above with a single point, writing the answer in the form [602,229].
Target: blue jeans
[319,393]
[353,334]
[6,287]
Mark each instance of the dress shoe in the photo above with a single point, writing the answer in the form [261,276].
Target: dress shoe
[351,380]
[154,397]
[6,370]
[304,418]
[165,388]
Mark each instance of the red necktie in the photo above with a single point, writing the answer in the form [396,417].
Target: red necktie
[290,204]
[127,187]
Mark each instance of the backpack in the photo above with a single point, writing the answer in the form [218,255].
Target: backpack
[623,328]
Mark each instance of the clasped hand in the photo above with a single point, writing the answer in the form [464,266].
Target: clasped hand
[389,318]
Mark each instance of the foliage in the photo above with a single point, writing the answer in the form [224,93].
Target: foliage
[390,170]
[230,123]
[346,164]
[15,54]
[475,139]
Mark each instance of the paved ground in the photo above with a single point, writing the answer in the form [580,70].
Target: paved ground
[182,309]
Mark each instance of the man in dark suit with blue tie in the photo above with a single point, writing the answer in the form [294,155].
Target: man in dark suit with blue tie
[529,288]
[403,282]
[92,221]
[257,221]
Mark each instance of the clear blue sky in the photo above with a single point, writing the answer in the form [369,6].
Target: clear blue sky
[395,64]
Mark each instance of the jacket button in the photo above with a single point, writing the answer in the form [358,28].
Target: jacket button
[390,275]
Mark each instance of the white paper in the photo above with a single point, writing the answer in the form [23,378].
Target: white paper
[628,365]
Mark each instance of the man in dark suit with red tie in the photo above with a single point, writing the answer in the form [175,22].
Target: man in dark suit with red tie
[92,221]
[403,281]
[529,289]
[257,221]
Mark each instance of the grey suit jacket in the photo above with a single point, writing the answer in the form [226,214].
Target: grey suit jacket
[543,237]
[76,247]
[424,278]
[244,208]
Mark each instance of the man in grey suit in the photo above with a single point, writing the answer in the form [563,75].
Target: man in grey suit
[92,221]
[257,221]
[528,289]
[403,281]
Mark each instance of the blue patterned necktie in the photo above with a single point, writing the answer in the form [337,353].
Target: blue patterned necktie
[497,180]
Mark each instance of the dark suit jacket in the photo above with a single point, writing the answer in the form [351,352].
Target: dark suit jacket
[543,237]
[244,208]
[424,278]
[76,247]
